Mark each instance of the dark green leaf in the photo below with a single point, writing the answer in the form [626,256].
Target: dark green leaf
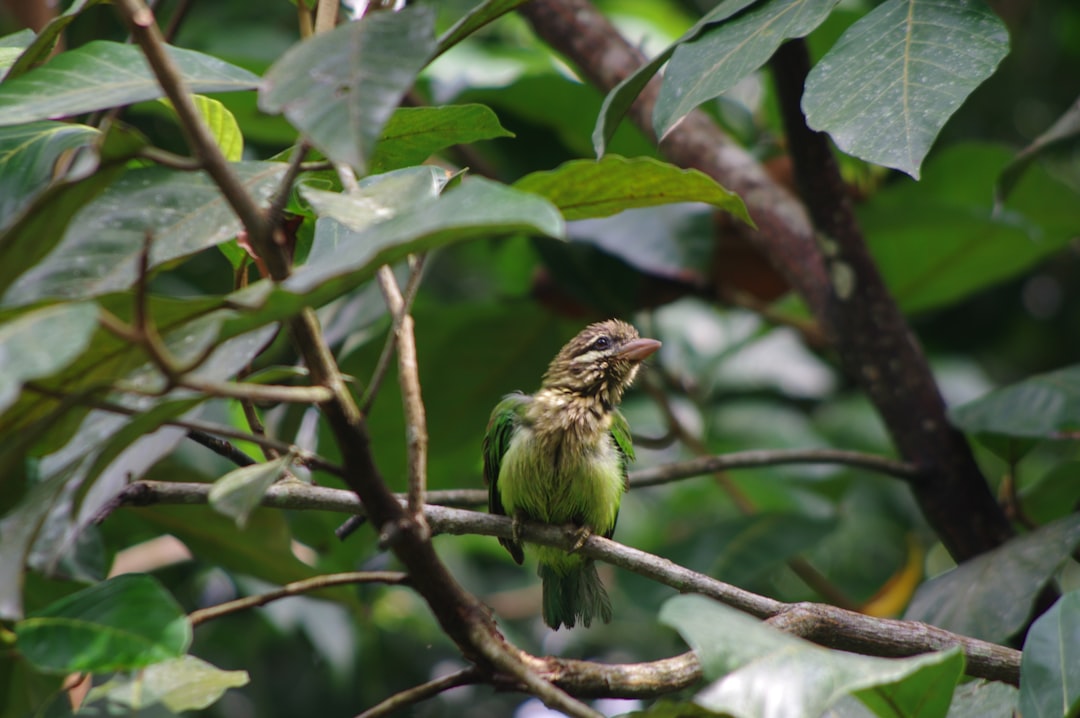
[103,74]
[41,342]
[415,133]
[885,90]
[583,189]
[475,209]
[762,672]
[984,699]
[753,545]
[25,689]
[341,87]
[617,102]
[185,212]
[39,50]
[29,155]
[723,54]
[181,684]
[126,622]
[990,596]
[1045,406]
[17,531]
[1064,132]
[1049,682]
[238,493]
[475,19]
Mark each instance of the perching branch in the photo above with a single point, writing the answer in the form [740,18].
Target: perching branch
[828,625]
[422,692]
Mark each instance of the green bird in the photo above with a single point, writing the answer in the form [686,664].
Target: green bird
[560,457]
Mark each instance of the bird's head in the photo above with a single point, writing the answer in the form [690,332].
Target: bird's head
[600,362]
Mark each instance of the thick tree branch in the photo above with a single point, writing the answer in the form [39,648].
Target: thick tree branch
[828,625]
[833,273]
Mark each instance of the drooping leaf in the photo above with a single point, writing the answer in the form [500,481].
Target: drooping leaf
[617,102]
[180,684]
[38,51]
[722,54]
[584,189]
[1065,132]
[760,672]
[473,20]
[29,157]
[341,87]
[1044,406]
[238,493]
[1049,682]
[103,74]
[415,133]
[887,87]
[129,621]
[184,211]
[477,208]
[990,596]
[41,342]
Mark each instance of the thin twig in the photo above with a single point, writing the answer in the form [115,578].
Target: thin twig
[411,696]
[295,588]
[281,197]
[170,159]
[221,447]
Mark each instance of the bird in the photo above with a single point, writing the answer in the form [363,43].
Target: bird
[560,456]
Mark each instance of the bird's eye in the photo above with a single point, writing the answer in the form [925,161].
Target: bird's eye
[602,343]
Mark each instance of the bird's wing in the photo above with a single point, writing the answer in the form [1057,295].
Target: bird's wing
[505,419]
[620,432]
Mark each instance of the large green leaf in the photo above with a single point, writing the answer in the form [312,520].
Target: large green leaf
[475,19]
[990,596]
[723,54]
[1045,406]
[181,684]
[1049,681]
[341,87]
[126,622]
[415,133]
[184,211]
[956,244]
[39,50]
[584,189]
[760,672]
[885,90]
[477,208]
[28,159]
[984,699]
[42,342]
[379,198]
[1057,140]
[617,102]
[103,74]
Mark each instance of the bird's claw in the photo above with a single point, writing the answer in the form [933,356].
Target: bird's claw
[581,534]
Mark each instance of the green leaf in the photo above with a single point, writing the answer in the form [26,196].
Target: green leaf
[415,133]
[991,596]
[221,123]
[11,46]
[185,212]
[475,19]
[1049,683]
[584,189]
[478,208]
[238,493]
[723,54]
[1045,406]
[754,545]
[29,158]
[341,87]
[617,102]
[41,342]
[984,699]
[43,221]
[17,531]
[956,243]
[760,672]
[181,684]
[885,90]
[126,622]
[380,198]
[39,50]
[103,74]
[1065,132]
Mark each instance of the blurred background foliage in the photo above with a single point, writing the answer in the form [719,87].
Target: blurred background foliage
[991,293]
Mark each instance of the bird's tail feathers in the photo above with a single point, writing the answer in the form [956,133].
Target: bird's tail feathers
[574,594]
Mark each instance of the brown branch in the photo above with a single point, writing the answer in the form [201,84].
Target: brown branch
[296,588]
[824,624]
[875,346]
[422,692]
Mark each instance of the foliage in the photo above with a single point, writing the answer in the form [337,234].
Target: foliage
[420,183]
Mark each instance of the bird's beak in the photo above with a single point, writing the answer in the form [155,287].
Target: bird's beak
[638,349]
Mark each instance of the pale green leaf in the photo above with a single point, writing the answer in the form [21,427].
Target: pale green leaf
[181,684]
[238,493]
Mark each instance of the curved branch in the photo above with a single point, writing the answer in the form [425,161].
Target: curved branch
[827,625]
[422,692]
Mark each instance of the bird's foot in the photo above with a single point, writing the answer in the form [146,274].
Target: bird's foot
[580,535]
[517,522]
